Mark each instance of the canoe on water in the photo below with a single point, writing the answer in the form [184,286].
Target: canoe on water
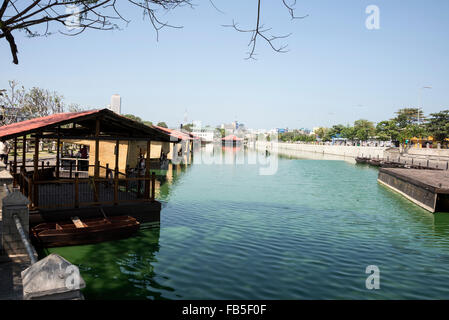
[77,232]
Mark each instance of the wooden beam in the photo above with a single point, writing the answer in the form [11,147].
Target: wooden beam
[97,148]
[36,157]
[147,171]
[15,163]
[35,172]
[58,142]
[117,151]
[97,157]
[24,148]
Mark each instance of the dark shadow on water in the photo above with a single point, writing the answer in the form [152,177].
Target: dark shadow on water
[121,269]
[441,220]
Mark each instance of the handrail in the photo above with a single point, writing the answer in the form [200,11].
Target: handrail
[23,236]
[24,239]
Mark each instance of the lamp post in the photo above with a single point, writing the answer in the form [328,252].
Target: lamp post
[420,100]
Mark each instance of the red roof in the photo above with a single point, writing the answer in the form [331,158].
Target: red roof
[38,123]
[175,133]
[231,138]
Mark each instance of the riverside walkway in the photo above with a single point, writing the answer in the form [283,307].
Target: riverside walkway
[10,277]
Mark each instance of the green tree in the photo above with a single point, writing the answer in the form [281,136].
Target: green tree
[322,133]
[188,127]
[162,124]
[349,133]
[133,117]
[364,129]
[387,130]
[220,132]
[438,125]
[336,130]
[411,131]
[408,116]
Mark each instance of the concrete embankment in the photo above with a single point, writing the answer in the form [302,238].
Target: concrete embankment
[342,151]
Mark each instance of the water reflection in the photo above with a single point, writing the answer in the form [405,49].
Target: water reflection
[120,269]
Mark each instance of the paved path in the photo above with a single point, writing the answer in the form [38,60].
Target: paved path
[10,279]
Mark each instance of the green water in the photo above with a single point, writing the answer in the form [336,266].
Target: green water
[307,232]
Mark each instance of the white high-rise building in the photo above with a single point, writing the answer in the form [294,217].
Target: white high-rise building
[116,103]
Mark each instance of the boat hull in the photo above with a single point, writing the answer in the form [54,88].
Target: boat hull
[97,230]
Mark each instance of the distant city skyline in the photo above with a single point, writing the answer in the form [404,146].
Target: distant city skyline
[337,71]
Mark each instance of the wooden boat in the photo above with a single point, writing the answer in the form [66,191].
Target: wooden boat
[361,160]
[375,162]
[77,232]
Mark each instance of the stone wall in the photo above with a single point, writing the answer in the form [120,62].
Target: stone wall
[344,151]
[420,195]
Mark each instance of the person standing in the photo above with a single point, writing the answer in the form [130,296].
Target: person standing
[4,150]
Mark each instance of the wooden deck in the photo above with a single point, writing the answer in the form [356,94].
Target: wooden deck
[426,188]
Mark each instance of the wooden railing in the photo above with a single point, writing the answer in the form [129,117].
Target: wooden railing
[44,193]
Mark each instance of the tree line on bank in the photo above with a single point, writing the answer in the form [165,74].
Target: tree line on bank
[407,124]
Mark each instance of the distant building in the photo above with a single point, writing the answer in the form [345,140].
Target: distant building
[205,134]
[116,103]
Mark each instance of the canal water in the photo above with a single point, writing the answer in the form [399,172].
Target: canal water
[309,231]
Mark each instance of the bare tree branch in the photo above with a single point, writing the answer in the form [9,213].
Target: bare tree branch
[35,17]
[260,32]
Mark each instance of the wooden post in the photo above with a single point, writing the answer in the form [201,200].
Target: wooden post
[43,164]
[126,177]
[71,168]
[97,147]
[14,168]
[139,186]
[21,180]
[153,185]
[30,191]
[35,198]
[97,156]
[24,147]
[147,171]
[36,156]
[117,151]
[36,171]
[58,142]
[96,185]
[77,191]
[116,189]
[116,171]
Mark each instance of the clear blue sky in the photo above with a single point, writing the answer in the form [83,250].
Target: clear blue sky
[336,71]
